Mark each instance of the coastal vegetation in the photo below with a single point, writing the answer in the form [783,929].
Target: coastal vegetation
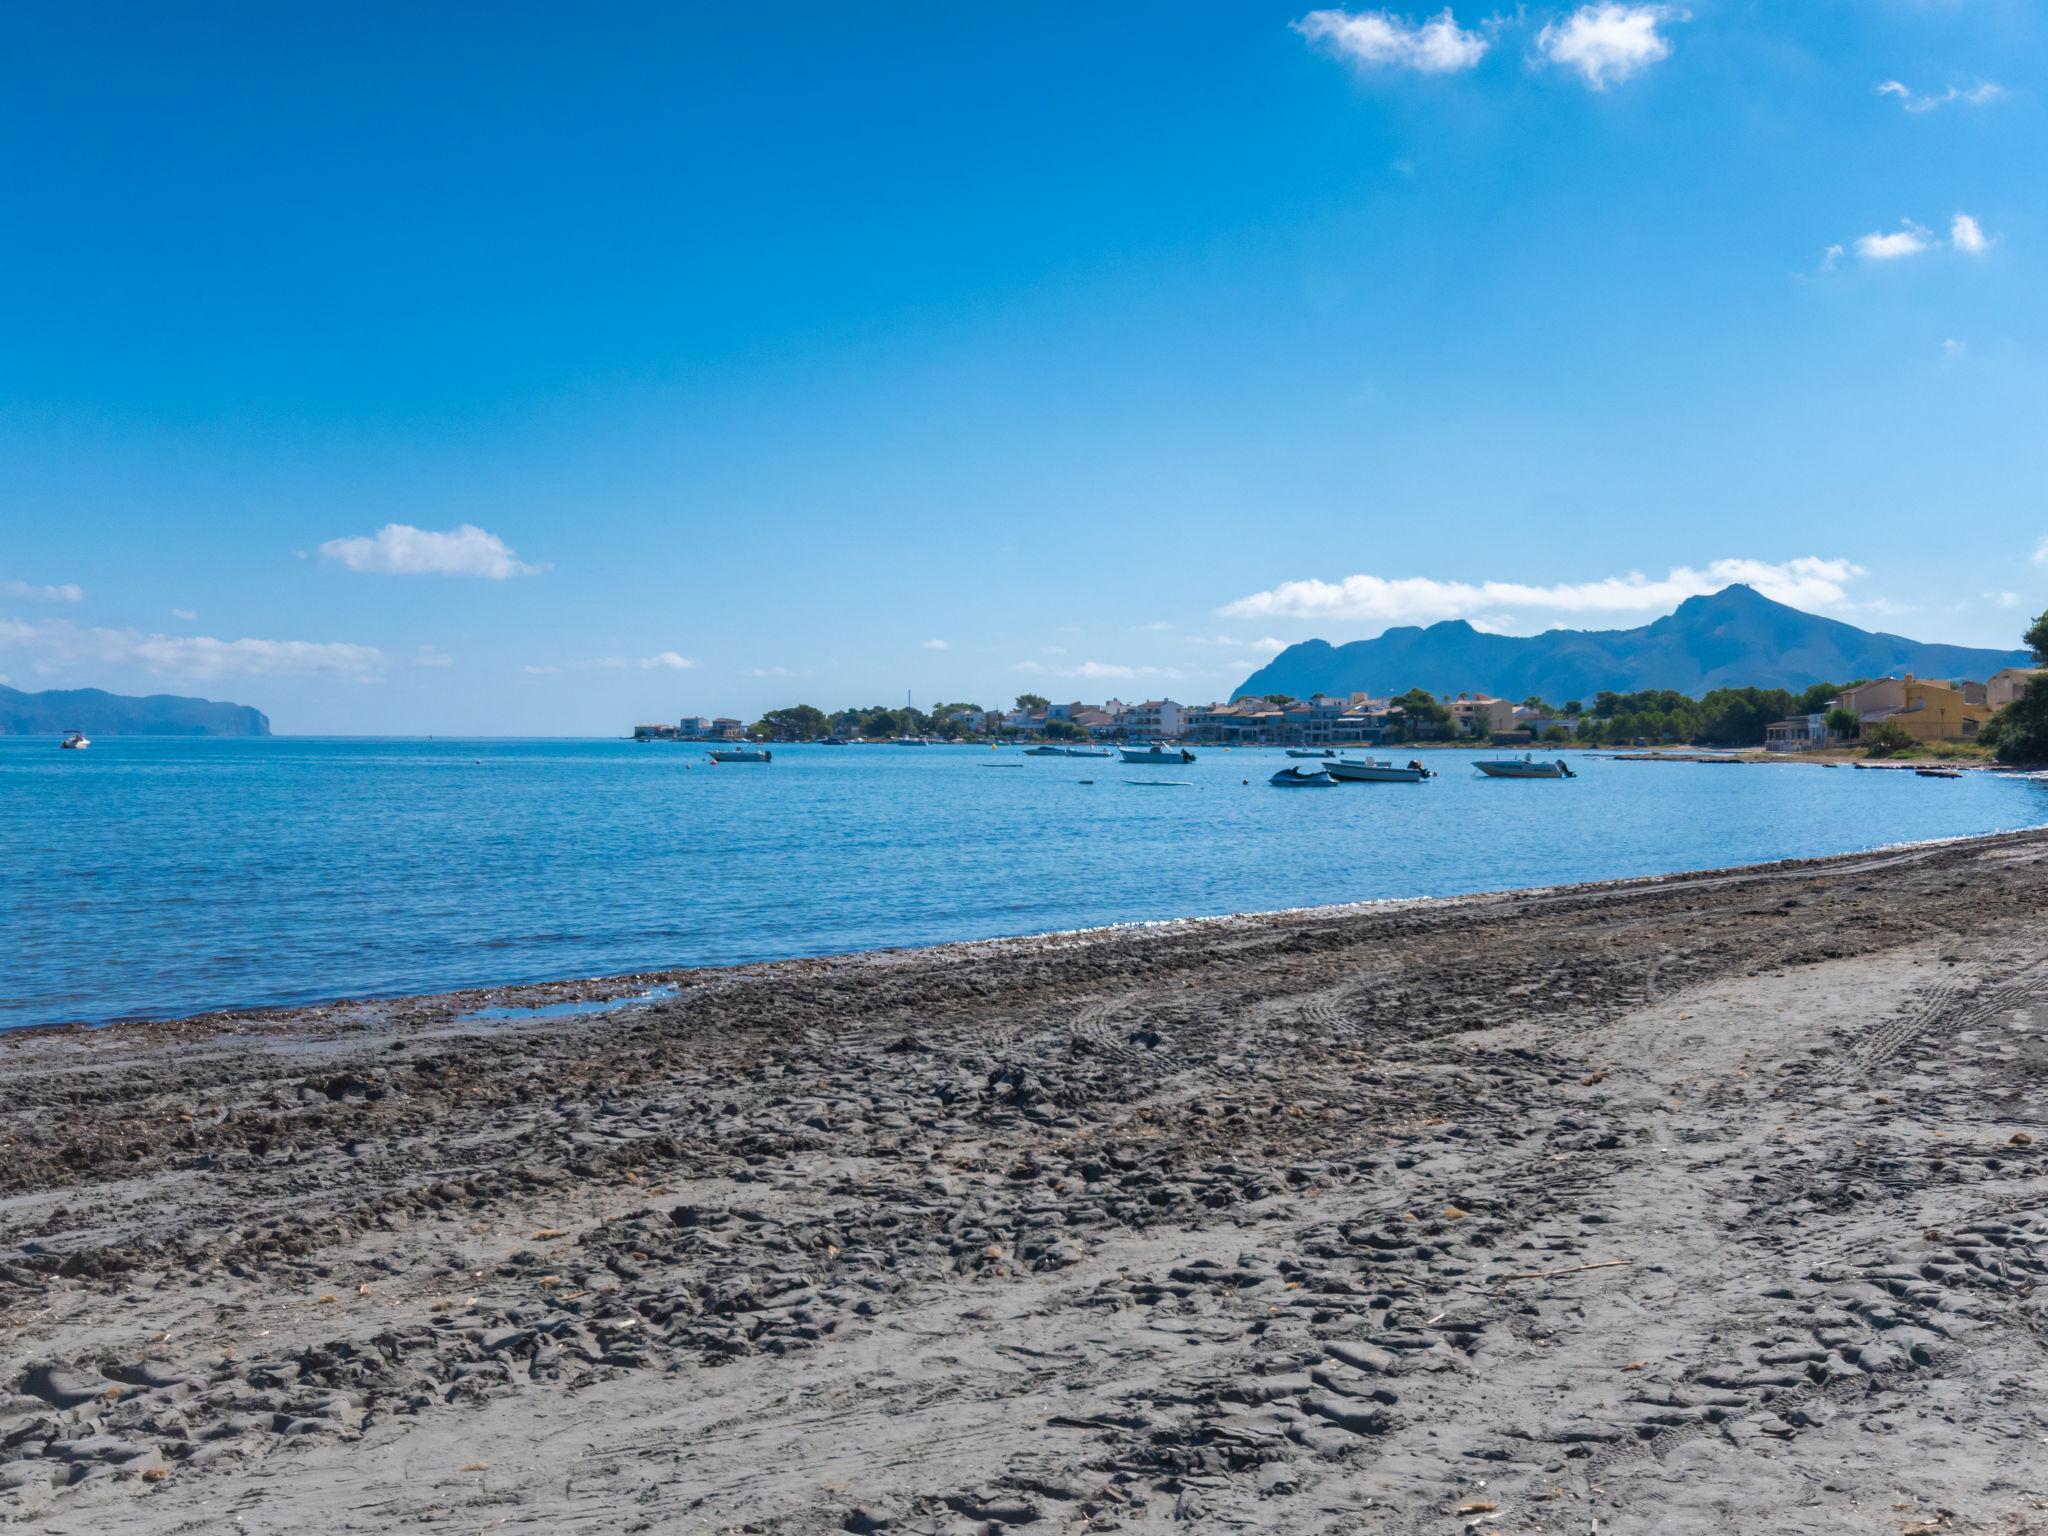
[2018,733]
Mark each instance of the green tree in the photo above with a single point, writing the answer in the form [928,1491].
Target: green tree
[1421,716]
[1885,739]
[1279,698]
[1842,722]
[1573,708]
[1032,701]
[796,722]
[1817,698]
[2037,640]
[1065,730]
[2018,733]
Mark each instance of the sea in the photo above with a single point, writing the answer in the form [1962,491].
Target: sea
[156,878]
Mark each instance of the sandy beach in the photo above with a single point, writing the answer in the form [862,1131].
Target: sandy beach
[1705,1203]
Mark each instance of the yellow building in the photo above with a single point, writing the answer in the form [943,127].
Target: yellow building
[2007,686]
[1924,710]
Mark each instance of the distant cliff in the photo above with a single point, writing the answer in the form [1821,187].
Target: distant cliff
[111,714]
[1735,638]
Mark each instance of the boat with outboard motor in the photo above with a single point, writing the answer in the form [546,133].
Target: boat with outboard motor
[1523,767]
[1302,778]
[75,741]
[1311,752]
[741,755]
[1371,770]
[1158,752]
[1047,750]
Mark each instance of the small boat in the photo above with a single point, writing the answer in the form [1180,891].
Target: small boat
[1155,783]
[1302,778]
[741,755]
[1523,767]
[75,741]
[1938,773]
[910,741]
[1310,752]
[1086,751]
[1372,770]
[1047,750]
[835,741]
[1158,752]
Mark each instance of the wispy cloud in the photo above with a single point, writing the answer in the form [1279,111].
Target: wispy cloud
[541,671]
[1266,646]
[56,645]
[1099,671]
[774,672]
[189,615]
[2041,552]
[431,656]
[1808,582]
[35,592]
[932,645]
[1981,94]
[1909,239]
[1383,40]
[2003,599]
[1609,43]
[1965,234]
[399,549]
[660,661]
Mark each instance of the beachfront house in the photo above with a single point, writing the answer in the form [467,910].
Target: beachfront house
[2010,685]
[1481,714]
[725,728]
[1153,720]
[1800,733]
[1924,709]
[694,727]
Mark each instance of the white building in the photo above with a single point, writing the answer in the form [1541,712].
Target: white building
[1153,720]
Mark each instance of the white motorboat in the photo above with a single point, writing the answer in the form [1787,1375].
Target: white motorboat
[1158,752]
[1372,770]
[1086,751]
[1302,778]
[1311,752]
[75,741]
[742,755]
[911,741]
[1523,767]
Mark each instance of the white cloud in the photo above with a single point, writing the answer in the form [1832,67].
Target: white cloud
[533,671]
[660,661]
[1382,40]
[773,672]
[2003,599]
[1266,646]
[932,645]
[59,645]
[32,592]
[1157,626]
[1609,42]
[1909,239]
[2041,553]
[398,549]
[1953,351]
[1980,94]
[1099,671]
[429,656]
[1804,583]
[1966,235]
[189,615]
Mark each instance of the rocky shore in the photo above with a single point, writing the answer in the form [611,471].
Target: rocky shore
[1707,1203]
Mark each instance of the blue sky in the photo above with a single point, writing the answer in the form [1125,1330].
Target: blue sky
[525,369]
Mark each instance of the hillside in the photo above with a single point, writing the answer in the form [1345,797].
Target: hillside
[98,713]
[1735,637]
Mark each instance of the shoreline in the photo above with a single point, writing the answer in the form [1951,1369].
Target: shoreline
[623,988]
[1640,1202]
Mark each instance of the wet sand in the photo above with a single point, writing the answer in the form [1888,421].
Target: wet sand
[1709,1203]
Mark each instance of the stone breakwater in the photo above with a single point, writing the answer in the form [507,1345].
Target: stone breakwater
[1656,1205]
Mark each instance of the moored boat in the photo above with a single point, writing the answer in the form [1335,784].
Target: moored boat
[1086,751]
[1045,750]
[1158,752]
[75,741]
[1311,752]
[1523,767]
[1372,770]
[741,755]
[1302,778]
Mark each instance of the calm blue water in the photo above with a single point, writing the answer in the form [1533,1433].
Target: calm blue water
[156,878]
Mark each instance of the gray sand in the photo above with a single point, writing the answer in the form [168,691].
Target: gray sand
[1714,1203]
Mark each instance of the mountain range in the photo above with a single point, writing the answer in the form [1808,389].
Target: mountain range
[1734,638]
[111,714]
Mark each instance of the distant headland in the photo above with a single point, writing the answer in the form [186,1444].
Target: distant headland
[99,713]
